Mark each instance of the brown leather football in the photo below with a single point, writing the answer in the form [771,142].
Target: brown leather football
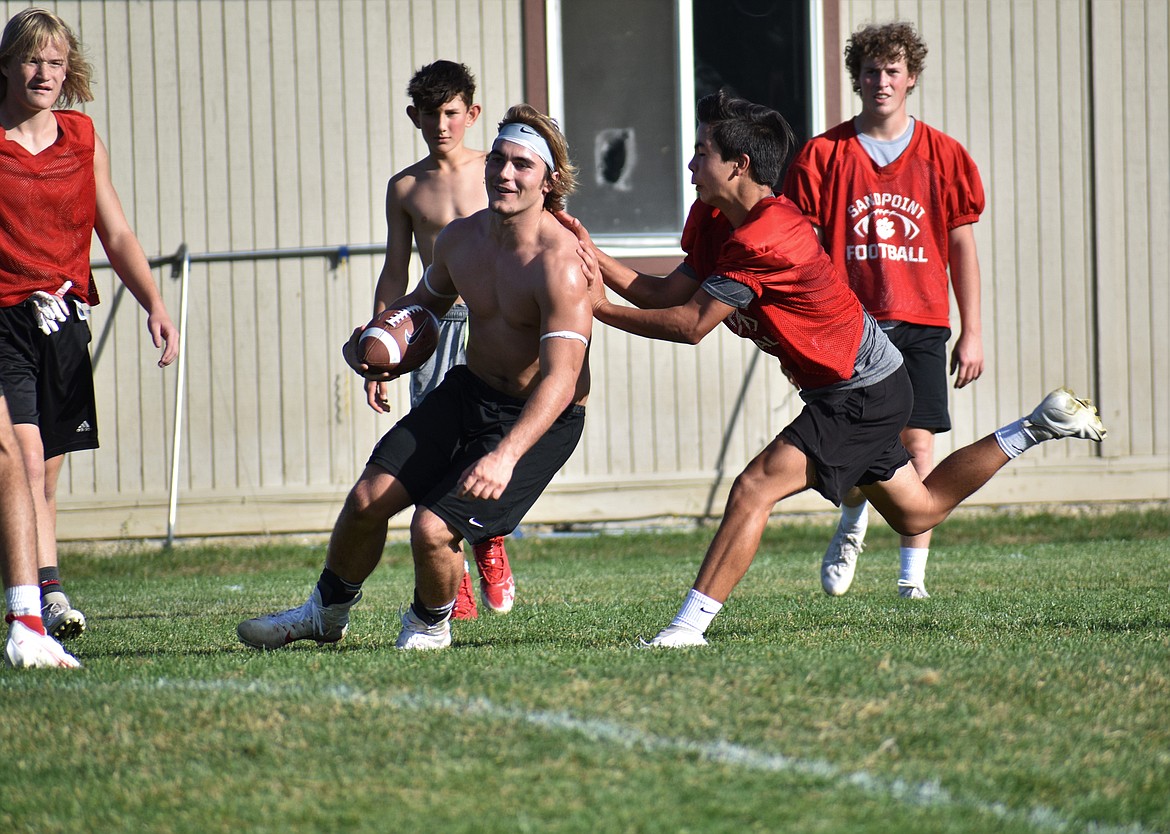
[398,340]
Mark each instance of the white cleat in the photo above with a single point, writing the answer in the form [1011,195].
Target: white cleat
[417,635]
[1063,414]
[28,649]
[908,591]
[840,561]
[311,621]
[676,637]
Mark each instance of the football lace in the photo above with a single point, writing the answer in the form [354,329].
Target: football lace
[403,314]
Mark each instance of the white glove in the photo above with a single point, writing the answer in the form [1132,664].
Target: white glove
[50,309]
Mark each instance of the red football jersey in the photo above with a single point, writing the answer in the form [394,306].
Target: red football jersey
[802,313]
[47,213]
[886,227]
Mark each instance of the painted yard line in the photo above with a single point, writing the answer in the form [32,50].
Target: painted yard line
[924,794]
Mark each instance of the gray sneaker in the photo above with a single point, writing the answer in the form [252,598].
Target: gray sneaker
[416,634]
[1063,414]
[840,561]
[62,620]
[311,621]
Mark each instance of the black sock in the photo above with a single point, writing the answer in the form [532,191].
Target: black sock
[431,616]
[50,580]
[335,590]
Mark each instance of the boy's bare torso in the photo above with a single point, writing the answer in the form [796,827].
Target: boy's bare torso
[512,293]
[433,195]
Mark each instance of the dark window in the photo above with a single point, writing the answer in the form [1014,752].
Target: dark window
[621,95]
[758,50]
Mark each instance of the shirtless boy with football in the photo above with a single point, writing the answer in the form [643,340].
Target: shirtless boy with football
[475,455]
[421,200]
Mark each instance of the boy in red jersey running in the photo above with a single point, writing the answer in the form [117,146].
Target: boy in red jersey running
[894,202]
[421,200]
[753,262]
[55,177]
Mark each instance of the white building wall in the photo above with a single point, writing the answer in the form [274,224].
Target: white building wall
[259,125]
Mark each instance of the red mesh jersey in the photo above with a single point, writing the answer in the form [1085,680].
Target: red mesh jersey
[887,228]
[803,312]
[47,213]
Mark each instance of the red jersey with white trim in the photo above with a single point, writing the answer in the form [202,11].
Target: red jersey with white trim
[803,313]
[887,228]
[47,213]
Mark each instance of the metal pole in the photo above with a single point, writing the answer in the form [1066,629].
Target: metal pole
[184,257]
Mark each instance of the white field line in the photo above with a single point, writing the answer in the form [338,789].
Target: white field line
[923,794]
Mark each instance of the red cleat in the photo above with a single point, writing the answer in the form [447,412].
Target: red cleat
[465,608]
[496,584]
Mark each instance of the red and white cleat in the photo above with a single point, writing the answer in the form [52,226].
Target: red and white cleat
[497,586]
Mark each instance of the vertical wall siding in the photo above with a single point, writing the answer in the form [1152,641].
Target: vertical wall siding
[1063,104]
[261,124]
[1129,90]
[237,125]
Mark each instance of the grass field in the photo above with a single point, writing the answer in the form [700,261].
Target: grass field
[1030,693]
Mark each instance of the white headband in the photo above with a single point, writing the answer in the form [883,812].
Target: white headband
[524,135]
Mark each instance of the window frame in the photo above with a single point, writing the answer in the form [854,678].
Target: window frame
[544,62]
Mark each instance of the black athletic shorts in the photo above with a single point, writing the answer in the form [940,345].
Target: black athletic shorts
[852,436]
[48,379]
[455,425]
[924,349]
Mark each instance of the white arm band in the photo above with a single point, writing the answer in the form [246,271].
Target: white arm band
[565,334]
[427,283]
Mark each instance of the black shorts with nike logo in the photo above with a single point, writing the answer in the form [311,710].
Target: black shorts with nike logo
[457,423]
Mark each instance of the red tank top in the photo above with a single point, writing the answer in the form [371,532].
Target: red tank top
[47,213]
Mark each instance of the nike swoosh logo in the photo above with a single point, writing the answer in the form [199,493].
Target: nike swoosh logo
[474,522]
[414,334]
[705,611]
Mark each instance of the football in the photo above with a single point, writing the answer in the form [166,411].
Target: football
[398,340]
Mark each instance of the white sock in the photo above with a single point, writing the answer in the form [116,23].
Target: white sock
[913,566]
[23,600]
[697,612]
[854,520]
[1015,439]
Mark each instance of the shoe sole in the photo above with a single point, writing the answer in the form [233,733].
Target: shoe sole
[68,628]
[265,648]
